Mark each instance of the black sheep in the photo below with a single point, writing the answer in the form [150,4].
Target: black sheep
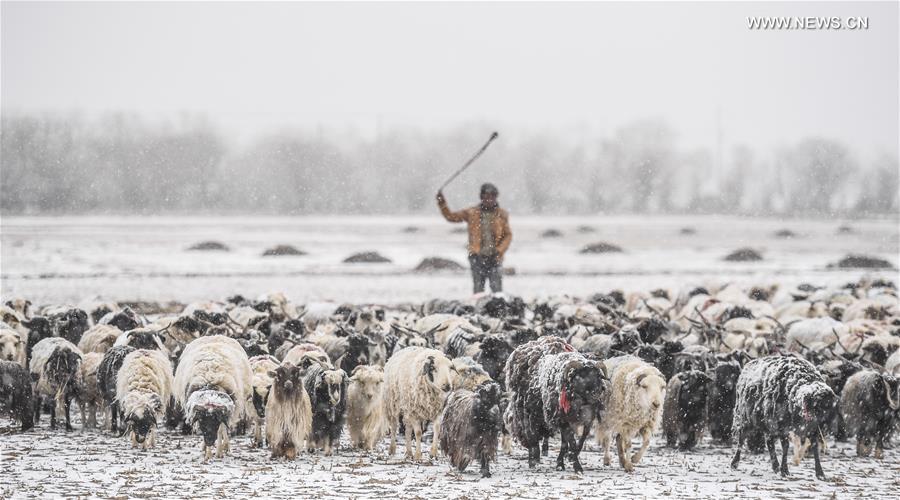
[107,374]
[124,320]
[70,324]
[470,424]
[684,409]
[492,355]
[39,328]
[722,393]
[777,395]
[15,390]
[870,405]
[553,388]
[327,389]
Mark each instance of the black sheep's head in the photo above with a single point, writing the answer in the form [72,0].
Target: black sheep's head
[63,366]
[647,353]
[726,376]
[142,418]
[588,383]
[144,338]
[207,410]
[486,407]
[818,405]
[124,320]
[70,324]
[652,329]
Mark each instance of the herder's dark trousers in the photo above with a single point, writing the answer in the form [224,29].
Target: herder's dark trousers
[485,267]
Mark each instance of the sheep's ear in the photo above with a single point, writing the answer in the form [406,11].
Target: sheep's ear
[271,374]
[429,369]
[640,378]
[353,373]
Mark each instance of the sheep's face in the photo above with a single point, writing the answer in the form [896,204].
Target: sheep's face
[368,381]
[39,328]
[206,410]
[142,419]
[817,411]
[726,378]
[10,345]
[124,320]
[286,379]
[439,373]
[63,367]
[694,389]
[333,382]
[651,389]
[71,324]
[587,383]
[144,338]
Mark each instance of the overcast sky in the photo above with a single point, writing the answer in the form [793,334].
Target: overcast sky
[560,67]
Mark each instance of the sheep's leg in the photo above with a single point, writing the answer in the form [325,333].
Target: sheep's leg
[879,446]
[408,434]
[392,429]
[574,451]
[737,452]
[545,447]
[645,443]
[435,434]
[53,414]
[152,441]
[417,430]
[68,407]
[799,450]
[84,421]
[37,409]
[819,472]
[784,456]
[624,459]
[604,442]
[485,466]
[327,447]
[563,448]
[506,443]
[534,456]
[770,445]
[114,417]
[222,444]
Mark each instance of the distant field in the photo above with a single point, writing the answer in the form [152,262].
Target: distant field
[72,259]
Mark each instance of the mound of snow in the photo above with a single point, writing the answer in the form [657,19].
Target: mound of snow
[432,264]
[744,255]
[209,246]
[601,247]
[367,257]
[280,250]
[856,261]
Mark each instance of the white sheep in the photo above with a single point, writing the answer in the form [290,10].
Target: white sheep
[635,406]
[89,397]
[262,366]
[99,338]
[12,346]
[56,366]
[214,386]
[288,412]
[416,380]
[365,411]
[143,390]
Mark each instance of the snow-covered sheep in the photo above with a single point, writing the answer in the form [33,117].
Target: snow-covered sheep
[327,390]
[288,412]
[56,366]
[143,390]
[99,338]
[892,365]
[778,395]
[416,381]
[12,346]
[471,423]
[553,388]
[365,409]
[214,386]
[635,406]
[870,405]
[468,374]
[69,323]
[90,398]
[21,306]
[352,350]
[685,409]
[15,391]
[107,377]
[124,319]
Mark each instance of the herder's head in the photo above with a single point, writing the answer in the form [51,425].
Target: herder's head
[489,195]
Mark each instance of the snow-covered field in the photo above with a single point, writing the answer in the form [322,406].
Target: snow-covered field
[54,464]
[79,259]
[73,259]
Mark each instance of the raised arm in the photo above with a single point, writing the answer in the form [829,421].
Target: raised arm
[447,213]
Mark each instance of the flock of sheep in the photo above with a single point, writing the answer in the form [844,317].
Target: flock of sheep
[757,366]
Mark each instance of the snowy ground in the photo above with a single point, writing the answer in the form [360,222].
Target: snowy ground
[73,259]
[51,464]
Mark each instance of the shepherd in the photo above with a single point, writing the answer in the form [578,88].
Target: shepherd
[489,236]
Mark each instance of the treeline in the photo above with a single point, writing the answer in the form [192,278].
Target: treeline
[121,163]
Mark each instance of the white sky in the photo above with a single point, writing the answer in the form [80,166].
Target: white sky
[535,66]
